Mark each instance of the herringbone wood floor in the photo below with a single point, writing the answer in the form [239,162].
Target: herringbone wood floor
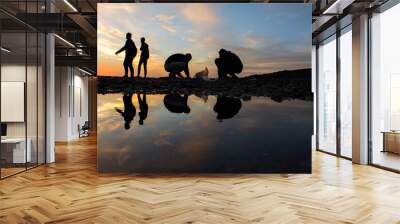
[71,191]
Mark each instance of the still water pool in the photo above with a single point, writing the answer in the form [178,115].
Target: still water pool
[172,133]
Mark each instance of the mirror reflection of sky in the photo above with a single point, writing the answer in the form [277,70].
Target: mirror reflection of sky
[263,137]
[267,37]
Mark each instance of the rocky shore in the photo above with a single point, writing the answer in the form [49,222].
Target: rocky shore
[279,86]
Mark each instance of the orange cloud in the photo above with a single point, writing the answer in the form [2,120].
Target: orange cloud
[109,32]
[164,18]
[199,14]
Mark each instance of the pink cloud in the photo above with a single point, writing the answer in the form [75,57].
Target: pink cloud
[168,28]
[164,18]
[199,14]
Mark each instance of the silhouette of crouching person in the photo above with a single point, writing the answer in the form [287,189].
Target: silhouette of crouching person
[228,63]
[129,110]
[130,53]
[177,63]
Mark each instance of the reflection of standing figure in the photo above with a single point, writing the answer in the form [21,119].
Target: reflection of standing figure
[144,56]
[227,107]
[130,53]
[129,110]
[144,108]
[176,103]
[228,63]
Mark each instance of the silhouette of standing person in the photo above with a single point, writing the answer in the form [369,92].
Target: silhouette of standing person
[144,108]
[144,56]
[130,53]
[177,63]
[129,110]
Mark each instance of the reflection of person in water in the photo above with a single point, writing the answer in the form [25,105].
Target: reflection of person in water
[227,107]
[228,63]
[177,63]
[144,56]
[176,103]
[130,53]
[129,110]
[144,108]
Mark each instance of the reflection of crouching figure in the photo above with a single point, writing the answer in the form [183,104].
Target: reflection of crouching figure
[227,107]
[176,103]
[177,63]
[228,63]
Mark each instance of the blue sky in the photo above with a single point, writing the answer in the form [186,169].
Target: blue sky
[267,37]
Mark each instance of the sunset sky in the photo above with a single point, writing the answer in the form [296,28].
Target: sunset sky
[267,37]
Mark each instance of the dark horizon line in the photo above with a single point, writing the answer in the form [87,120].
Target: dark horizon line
[271,73]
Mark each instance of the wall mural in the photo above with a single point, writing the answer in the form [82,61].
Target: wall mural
[204,88]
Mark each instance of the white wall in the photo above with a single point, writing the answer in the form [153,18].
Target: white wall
[71,102]
[15,72]
[12,73]
[13,101]
[33,126]
[62,82]
[9,73]
[82,82]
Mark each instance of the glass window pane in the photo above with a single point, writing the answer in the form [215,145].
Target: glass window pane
[327,95]
[23,87]
[385,89]
[41,98]
[13,85]
[31,97]
[346,92]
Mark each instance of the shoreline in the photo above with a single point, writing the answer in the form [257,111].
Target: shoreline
[279,86]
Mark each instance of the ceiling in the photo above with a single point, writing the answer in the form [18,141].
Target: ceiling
[75,22]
